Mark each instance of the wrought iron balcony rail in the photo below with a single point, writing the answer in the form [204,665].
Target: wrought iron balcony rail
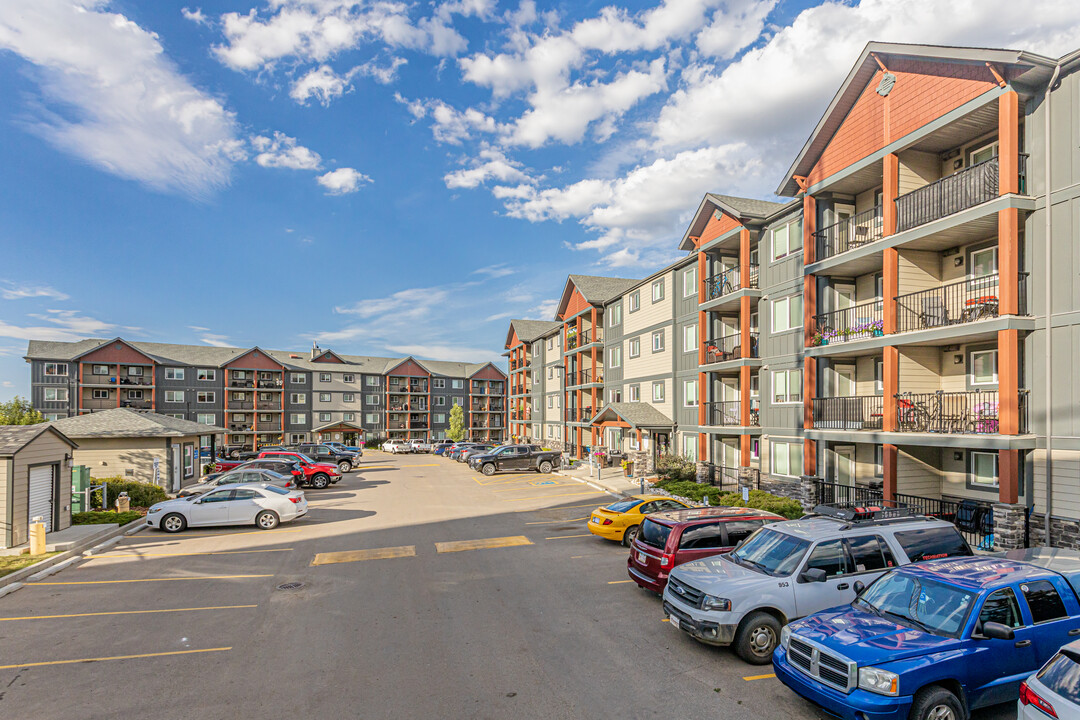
[952,194]
[860,412]
[967,412]
[728,413]
[729,347]
[853,323]
[858,230]
[728,281]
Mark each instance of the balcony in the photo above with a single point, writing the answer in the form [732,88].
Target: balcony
[728,413]
[729,281]
[239,427]
[268,427]
[967,413]
[240,405]
[962,190]
[857,322]
[578,415]
[860,412]
[242,383]
[137,404]
[858,230]
[957,303]
[137,381]
[269,405]
[729,347]
[583,377]
[396,425]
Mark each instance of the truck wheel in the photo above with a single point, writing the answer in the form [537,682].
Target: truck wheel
[545,467]
[234,454]
[629,534]
[936,703]
[757,637]
[320,481]
[488,469]
[344,466]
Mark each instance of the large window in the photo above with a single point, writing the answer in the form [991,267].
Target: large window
[633,347]
[56,394]
[100,370]
[635,301]
[174,396]
[984,367]
[298,378]
[204,396]
[983,470]
[372,380]
[457,384]
[614,316]
[787,313]
[438,383]
[174,373]
[658,391]
[787,386]
[204,374]
[689,282]
[205,418]
[984,262]
[371,419]
[298,418]
[689,338]
[690,393]
[298,398]
[56,369]
[787,239]
[689,446]
[615,357]
[324,397]
[374,400]
[787,458]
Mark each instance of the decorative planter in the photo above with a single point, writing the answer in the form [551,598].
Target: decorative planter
[628,470]
[877,333]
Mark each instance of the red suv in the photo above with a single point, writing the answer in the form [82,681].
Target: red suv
[672,538]
[317,475]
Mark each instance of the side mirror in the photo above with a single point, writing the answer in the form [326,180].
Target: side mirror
[997,631]
[859,586]
[813,575]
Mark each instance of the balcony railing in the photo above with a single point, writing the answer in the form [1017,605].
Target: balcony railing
[728,281]
[269,405]
[136,404]
[860,412]
[853,323]
[954,304]
[581,414]
[969,413]
[962,190]
[583,377]
[729,347]
[591,335]
[728,413]
[241,405]
[858,230]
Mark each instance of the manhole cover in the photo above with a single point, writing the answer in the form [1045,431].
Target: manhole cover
[290,586]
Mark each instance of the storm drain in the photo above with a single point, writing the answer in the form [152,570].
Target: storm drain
[290,586]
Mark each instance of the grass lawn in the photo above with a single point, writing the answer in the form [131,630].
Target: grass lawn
[11,563]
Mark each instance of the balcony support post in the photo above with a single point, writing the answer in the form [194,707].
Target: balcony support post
[889,456]
[890,369]
[744,327]
[891,288]
[1009,382]
[744,396]
[1008,261]
[703,396]
[809,222]
[890,190]
[1008,476]
[744,258]
[1008,143]
[702,268]
[809,393]
[703,334]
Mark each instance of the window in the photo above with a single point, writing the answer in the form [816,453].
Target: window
[348,397]
[879,461]
[135,372]
[205,418]
[658,341]
[879,377]
[324,397]
[438,383]
[634,443]
[1000,607]
[239,417]
[174,373]
[983,471]
[932,544]
[614,315]
[298,378]
[689,283]
[298,398]
[702,537]
[239,374]
[101,394]
[204,396]
[787,239]
[56,369]
[615,396]
[615,358]
[266,417]
[689,338]
[787,313]
[635,393]
[787,458]
[372,381]
[324,417]
[372,419]
[298,418]
[440,418]
[551,402]
[689,447]
[201,374]
[755,448]
[689,393]
[869,553]
[51,417]
[658,392]
[348,417]
[174,396]
[372,399]
[457,384]
[830,557]
[440,401]
[1043,601]
[134,395]
[551,372]
[324,377]
[457,401]
[633,347]
[982,154]
[787,386]
[349,378]
[100,370]
[658,290]
[635,301]
[983,367]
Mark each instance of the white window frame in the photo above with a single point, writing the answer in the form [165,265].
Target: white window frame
[298,419]
[174,396]
[782,245]
[326,397]
[205,418]
[348,397]
[440,401]
[781,380]
[690,284]
[615,357]
[135,371]
[438,383]
[971,372]
[94,370]
[634,301]
[298,378]
[205,396]
[782,308]
[635,394]
[348,417]
[372,418]
[372,381]
[100,394]
[615,315]
[56,367]
[326,377]
[786,450]
[174,373]
[374,400]
[658,397]
[690,393]
[298,398]
[658,341]
[348,377]
[973,479]
[457,384]
[633,347]
[134,394]
[325,417]
[690,446]
[439,418]
[690,341]
[658,290]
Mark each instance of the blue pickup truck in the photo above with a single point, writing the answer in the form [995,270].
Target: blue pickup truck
[935,640]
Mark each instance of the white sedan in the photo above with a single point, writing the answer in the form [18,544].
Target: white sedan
[396,446]
[261,504]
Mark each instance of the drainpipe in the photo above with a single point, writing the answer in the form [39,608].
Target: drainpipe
[1048,299]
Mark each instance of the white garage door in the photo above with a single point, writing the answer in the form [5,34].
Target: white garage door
[41,494]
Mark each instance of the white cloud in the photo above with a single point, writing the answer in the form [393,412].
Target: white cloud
[322,83]
[734,27]
[215,340]
[65,326]
[615,30]
[198,328]
[489,164]
[495,271]
[281,151]
[342,181]
[126,108]
[11,291]
[196,16]
[412,302]
[451,353]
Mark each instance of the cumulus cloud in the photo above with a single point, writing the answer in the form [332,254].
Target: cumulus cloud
[282,151]
[215,340]
[322,83]
[13,291]
[490,164]
[342,182]
[196,16]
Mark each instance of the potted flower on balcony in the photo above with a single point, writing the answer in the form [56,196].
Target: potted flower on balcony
[818,339]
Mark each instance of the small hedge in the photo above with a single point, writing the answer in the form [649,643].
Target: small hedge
[691,490]
[100,518]
[676,467]
[141,494]
[761,500]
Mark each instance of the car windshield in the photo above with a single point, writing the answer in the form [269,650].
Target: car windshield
[927,605]
[623,505]
[771,552]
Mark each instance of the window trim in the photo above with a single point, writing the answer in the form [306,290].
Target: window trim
[786,302]
[690,283]
[657,285]
[972,484]
[662,387]
[687,384]
[690,344]
[787,387]
[56,366]
[774,446]
[177,396]
[209,394]
[658,335]
[788,251]
[634,301]
[326,377]
[971,367]
[633,347]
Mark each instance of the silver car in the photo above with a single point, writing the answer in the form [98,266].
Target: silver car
[1053,691]
[260,504]
[250,475]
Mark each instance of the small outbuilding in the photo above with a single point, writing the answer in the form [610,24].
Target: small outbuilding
[35,480]
[144,446]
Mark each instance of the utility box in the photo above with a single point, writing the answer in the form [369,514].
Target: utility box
[80,481]
[37,537]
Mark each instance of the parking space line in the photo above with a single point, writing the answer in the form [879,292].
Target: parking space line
[110,582]
[552,522]
[251,532]
[429,465]
[759,677]
[568,507]
[347,556]
[529,486]
[619,582]
[217,552]
[482,544]
[566,537]
[548,497]
[114,657]
[126,612]
[503,480]
[667,620]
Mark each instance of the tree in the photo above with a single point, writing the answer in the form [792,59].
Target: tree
[18,411]
[457,424]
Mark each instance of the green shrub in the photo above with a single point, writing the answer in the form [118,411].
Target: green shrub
[690,490]
[141,494]
[100,518]
[761,500]
[675,467]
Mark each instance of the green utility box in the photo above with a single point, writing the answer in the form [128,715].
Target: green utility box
[80,480]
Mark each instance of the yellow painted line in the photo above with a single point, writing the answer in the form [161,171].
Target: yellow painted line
[504,481]
[248,532]
[347,556]
[666,620]
[127,612]
[218,552]
[483,544]
[531,486]
[568,507]
[548,497]
[114,657]
[552,522]
[759,677]
[430,465]
[565,537]
[109,582]
[375,467]
[619,582]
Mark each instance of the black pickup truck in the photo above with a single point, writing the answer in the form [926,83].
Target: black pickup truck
[516,457]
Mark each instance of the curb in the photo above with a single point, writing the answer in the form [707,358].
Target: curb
[593,485]
[13,581]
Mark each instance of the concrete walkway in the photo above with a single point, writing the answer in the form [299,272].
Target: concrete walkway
[610,479]
[67,538]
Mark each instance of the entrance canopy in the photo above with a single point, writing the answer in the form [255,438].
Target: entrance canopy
[635,416]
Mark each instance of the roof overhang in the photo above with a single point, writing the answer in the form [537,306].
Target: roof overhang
[336,425]
[611,417]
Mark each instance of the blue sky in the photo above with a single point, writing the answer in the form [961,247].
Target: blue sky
[398,177]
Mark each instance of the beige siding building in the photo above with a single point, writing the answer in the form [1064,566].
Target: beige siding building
[35,480]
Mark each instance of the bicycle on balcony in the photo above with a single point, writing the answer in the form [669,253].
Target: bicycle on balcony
[915,415]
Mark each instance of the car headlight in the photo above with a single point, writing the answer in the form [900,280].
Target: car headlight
[153,510]
[878,681]
[785,636]
[711,602]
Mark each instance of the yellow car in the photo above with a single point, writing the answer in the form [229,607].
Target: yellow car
[620,520]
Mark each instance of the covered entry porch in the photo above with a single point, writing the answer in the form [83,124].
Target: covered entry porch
[343,432]
[637,431]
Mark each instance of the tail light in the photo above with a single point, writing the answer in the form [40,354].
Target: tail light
[666,559]
[607,521]
[295,500]
[1030,697]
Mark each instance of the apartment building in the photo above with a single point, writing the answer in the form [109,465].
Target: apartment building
[270,396]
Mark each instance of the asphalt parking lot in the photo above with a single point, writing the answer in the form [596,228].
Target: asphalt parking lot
[414,588]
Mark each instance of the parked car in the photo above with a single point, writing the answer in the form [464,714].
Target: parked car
[441,446]
[234,451]
[317,475]
[669,539]
[792,569]
[358,450]
[517,457]
[621,520]
[285,467]
[252,475]
[937,639]
[261,504]
[323,453]
[475,451]
[454,453]
[1054,690]
[396,446]
[420,446]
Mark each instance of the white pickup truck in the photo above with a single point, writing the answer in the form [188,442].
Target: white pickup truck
[791,569]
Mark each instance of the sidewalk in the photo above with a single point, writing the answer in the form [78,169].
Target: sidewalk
[611,480]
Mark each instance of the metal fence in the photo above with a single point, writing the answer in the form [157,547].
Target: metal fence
[728,347]
[853,323]
[967,412]
[858,412]
[730,280]
[858,230]
[962,190]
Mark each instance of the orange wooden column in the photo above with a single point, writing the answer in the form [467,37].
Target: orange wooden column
[809,327]
[1009,382]
[890,369]
[703,436]
[890,189]
[744,258]
[1008,142]
[889,456]
[809,223]
[809,393]
[1008,219]
[702,268]
[1008,476]
[744,327]
[744,396]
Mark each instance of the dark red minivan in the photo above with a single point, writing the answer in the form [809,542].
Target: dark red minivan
[672,538]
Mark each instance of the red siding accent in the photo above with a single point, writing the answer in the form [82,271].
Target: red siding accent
[329,357]
[576,304]
[249,361]
[117,351]
[410,368]
[489,372]
[924,91]
[514,341]
[715,228]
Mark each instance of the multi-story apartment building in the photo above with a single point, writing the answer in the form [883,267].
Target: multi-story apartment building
[905,325]
[270,396]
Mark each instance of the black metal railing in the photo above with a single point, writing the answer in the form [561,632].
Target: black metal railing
[958,302]
[859,412]
[728,413]
[728,347]
[592,335]
[973,518]
[725,478]
[578,414]
[967,412]
[858,230]
[827,493]
[962,190]
[583,377]
[730,280]
[857,322]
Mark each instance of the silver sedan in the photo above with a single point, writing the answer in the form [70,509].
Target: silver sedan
[260,504]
